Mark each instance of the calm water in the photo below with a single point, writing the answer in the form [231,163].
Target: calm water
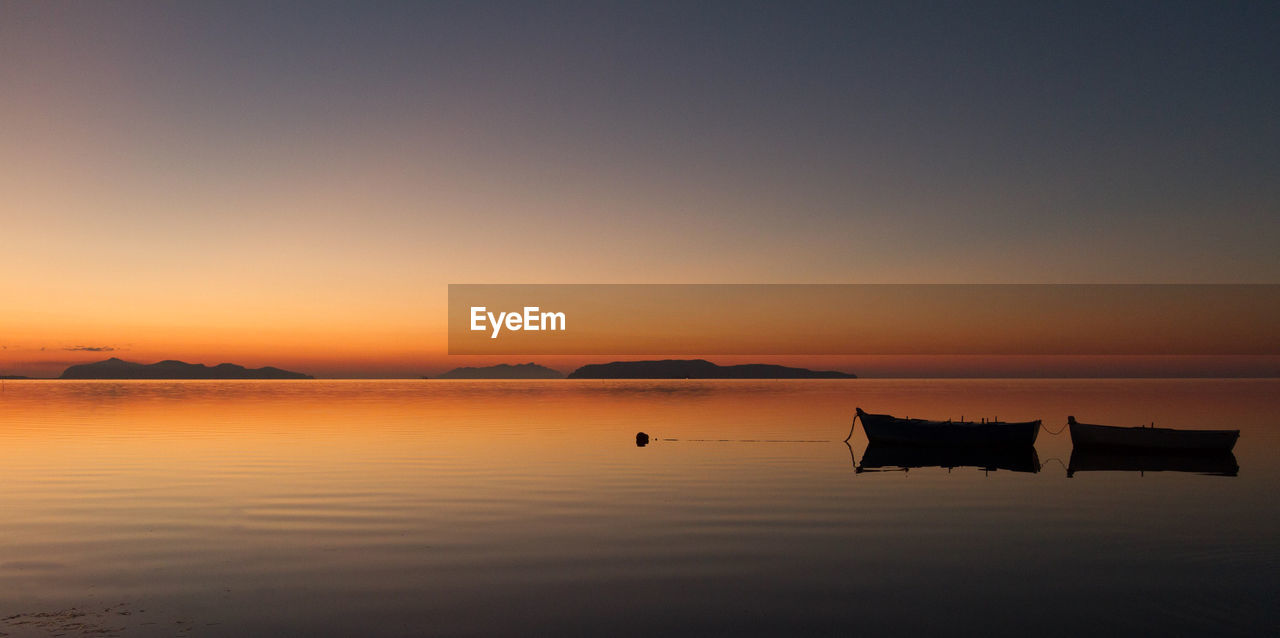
[477,508]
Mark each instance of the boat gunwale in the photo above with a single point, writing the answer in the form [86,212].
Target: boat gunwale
[860,413]
[1071,421]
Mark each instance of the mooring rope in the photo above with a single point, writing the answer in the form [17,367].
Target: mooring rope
[1053,458]
[852,423]
[1051,432]
[751,440]
[852,426]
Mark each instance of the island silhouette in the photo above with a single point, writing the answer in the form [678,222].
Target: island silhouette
[504,371]
[115,368]
[698,369]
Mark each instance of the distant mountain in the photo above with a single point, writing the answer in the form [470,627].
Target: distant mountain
[13,377]
[504,371]
[698,369]
[114,368]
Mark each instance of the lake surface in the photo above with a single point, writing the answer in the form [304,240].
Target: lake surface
[392,508]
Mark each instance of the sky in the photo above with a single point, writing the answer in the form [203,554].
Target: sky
[296,184]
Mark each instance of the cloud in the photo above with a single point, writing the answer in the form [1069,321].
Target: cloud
[90,348]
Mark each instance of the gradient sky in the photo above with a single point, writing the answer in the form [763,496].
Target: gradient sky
[295,184]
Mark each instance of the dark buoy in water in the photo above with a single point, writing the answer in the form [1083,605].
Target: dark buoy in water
[642,439]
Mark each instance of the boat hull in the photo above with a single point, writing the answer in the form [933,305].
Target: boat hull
[1140,438]
[890,430]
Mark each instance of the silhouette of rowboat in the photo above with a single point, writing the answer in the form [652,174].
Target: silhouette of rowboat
[1151,438]
[883,428]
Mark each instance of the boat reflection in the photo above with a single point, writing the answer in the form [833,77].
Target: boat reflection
[882,457]
[1215,463]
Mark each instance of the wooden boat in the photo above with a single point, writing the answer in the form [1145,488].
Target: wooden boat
[882,456]
[1103,459]
[882,428]
[1140,437]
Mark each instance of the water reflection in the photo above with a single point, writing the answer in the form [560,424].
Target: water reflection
[1085,459]
[881,456]
[419,508]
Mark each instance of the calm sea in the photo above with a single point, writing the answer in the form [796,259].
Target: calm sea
[393,508]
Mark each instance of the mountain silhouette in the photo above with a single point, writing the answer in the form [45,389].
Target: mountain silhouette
[698,369]
[504,371]
[114,368]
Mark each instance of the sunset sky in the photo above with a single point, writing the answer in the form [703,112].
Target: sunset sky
[296,184]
